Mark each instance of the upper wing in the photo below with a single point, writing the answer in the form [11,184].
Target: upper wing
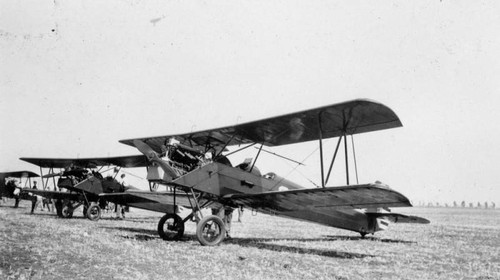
[53,194]
[356,196]
[19,174]
[352,117]
[124,161]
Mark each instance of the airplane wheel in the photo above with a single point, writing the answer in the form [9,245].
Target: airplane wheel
[85,208]
[171,227]
[67,211]
[210,231]
[93,212]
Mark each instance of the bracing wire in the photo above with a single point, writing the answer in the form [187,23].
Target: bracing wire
[297,165]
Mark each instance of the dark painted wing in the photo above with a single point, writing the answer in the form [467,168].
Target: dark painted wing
[153,201]
[123,161]
[358,196]
[54,194]
[19,174]
[353,117]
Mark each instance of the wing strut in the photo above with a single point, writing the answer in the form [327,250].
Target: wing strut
[333,160]
[346,159]
[225,145]
[256,157]
[320,138]
[354,156]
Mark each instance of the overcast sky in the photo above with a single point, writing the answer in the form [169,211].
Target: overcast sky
[77,76]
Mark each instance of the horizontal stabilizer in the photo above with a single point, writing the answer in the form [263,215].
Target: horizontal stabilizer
[400,218]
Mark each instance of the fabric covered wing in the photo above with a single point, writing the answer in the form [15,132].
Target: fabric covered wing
[358,196]
[352,117]
[153,201]
[19,174]
[123,161]
[54,194]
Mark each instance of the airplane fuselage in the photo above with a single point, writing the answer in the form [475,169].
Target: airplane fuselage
[220,180]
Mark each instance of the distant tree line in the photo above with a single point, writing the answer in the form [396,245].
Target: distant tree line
[463,204]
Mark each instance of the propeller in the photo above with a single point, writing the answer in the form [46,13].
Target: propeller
[153,157]
[146,150]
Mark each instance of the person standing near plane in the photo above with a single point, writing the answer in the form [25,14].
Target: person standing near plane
[35,200]
[16,192]
[240,213]
[45,201]
[119,209]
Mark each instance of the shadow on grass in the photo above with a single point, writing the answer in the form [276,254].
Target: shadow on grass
[260,243]
[370,238]
[142,219]
[263,243]
[140,237]
[12,206]
[134,230]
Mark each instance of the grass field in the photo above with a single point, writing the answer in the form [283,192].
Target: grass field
[458,244]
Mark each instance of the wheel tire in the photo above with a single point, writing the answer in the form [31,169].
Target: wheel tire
[93,212]
[174,228]
[67,211]
[85,208]
[210,231]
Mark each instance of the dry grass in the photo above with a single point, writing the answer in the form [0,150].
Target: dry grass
[458,244]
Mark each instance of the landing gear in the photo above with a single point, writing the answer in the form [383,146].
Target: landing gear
[153,187]
[171,227]
[93,212]
[363,234]
[210,231]
[67,211]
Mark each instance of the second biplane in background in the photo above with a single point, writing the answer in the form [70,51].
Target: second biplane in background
[79,181]
[11,184]
[196,165]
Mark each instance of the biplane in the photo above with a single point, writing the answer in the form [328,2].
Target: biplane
[196,167]
[80,181]
[9,183]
